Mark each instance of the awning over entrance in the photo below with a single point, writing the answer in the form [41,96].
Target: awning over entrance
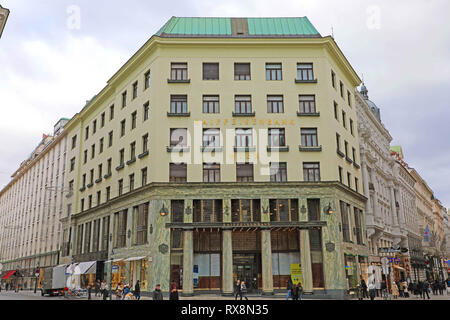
[86,268]
[71,268]
[135,258]
[117,260]
[8,275]
[399,268]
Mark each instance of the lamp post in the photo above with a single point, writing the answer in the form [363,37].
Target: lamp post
[111,275]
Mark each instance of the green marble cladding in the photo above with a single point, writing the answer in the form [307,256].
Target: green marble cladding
[157,194]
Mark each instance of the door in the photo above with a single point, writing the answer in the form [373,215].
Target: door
[245,268]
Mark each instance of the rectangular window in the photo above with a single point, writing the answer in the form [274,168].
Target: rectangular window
[346,148]
[211,104]
[277,137]
[275,104]
[313,209]
[311,171]
[345,210]
[84,180]
[110,139]
[146,110]
[244,137]
[100,169]
[91,176]
[243,104]
[99,197]
[344,120]
[244,172]
[178,104]
[120,189]
[108,193]
[273,71]
[109,166]
[121,228]
[179,71]
[305,71]
[144,177]
[354,154]
[309,137]
[358,229]
[178,172]
[341,88]
[135,90]
[105,233]
[122,157]
[131,177]
[133,151]
[349,179]
[336,113]
[90,202]
[278,172]
[72,164]
[349,98]
[147,80]
[133,120]
[307,103]
[145,143]
[211,172]
[210,71]
[340,174]
[122,127]
[85,156]
[93,151]
[283,210]
[211,137]
[338,142]
[333,79]
[351,127]
[111,112]
[242,71]
[141,223]
[207,211]
[356,185]
[82,205]
[94,127]
[86,133]
[74,142]
[124,99]
[245,210]
[101,145]
[177,210]
[178,137]
[102,121]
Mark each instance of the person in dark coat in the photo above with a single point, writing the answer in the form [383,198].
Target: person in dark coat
[298,291]
[364,289]
[237,289]
[137,290]
[174,294]
[289,288]
[425,287]
[157,294]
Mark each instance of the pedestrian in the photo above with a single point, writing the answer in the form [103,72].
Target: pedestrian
[89,292]
[372,290]
[298,291]
[238,289]
[395,290]
[97,287]
[289,289]
[364,288]
[400,289]
[383,289]
[157,294]
[174,294]
[405,289]
[102,287]
[441,287]
[137,290]
[126,290]
[359,293]
[243,290]
[105,290]
[426,289]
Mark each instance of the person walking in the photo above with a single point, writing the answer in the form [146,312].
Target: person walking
[364,288]
[405,289]
[174,294]
[298,291]
[105,290]
[395,290]
[238,289]
[383,289]
[289,289]
[97,287]
[359,293]
[137,290]
[441,287]
[425,289]
[243,290]
[372,290]
[157,294]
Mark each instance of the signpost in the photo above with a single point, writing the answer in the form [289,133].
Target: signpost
[297,274]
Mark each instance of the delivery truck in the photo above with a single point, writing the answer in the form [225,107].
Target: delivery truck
[54,280]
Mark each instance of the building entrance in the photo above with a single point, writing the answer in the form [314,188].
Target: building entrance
[246,267]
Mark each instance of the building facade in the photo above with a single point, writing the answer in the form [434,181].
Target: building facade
[4,13]
[224,149]
[30,211]
[387,200]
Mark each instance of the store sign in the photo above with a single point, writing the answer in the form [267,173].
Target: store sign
[296,274]
[115,269]
[393,249]
[150,259]
[195,275]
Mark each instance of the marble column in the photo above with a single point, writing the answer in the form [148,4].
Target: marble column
[305,260]
[73,241]
[266,262]
[227,268]
[188,263]
[91,242]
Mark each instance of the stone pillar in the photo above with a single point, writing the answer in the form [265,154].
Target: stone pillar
[188,263]
[227,268]
[266,263]
[73,241]
[129,227]
[91,242]
[305,260]
[393,207]
[100,234]
[83,242]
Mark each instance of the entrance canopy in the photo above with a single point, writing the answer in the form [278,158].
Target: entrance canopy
[86,268]
[8,275]
[135,258]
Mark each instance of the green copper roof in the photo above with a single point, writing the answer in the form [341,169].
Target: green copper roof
[238,27]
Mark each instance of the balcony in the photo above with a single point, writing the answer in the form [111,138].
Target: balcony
[310,149]
[178,81]
[278,149]
[133,160]
[305,81]
[244,149]
[144,154]
[120,167]
[308,114]
[106,176]
[178,149]
[181,114]
[211,149]
[98,180]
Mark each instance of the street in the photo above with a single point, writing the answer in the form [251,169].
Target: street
[30,295]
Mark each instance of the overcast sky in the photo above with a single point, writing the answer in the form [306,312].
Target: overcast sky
[51,62]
